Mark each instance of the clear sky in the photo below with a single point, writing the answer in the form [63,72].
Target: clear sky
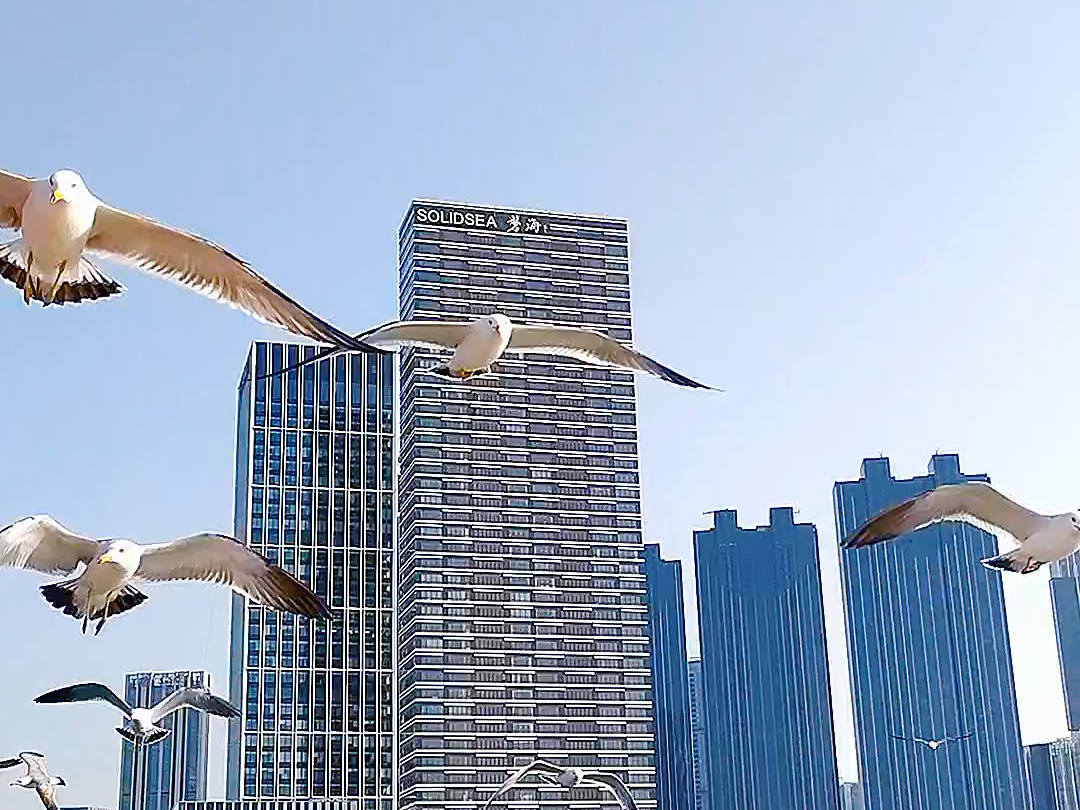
[859,220]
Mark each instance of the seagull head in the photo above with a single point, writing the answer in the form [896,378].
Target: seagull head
[1075,521]
[121,553]
[499,324]
[65,185]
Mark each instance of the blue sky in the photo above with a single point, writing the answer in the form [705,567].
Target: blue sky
[858,219]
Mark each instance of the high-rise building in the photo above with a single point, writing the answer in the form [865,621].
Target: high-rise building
[671,686]
[524,630]
[1065,600]
[315,493]
[929,651]
[1041,776]
[1065,764]
[174,769]
[765,671]
[697,736]
[851,796]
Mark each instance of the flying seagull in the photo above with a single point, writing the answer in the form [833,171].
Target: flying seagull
[933,745]
[103,588]
[61,221]
[144,722]
[1042,538]
[569,778]
[36,777]
[478,344]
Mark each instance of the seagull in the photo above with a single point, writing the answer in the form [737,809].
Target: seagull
[478,344]
[103,588]
[933,745]
[37,777]
[144,722]
[61,221]
[1042,538]
[569,778]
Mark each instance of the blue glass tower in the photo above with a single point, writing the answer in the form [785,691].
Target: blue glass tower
[1041,774]
[765,672]
[929,651]
[1065,598]
[697,735]
[671,686]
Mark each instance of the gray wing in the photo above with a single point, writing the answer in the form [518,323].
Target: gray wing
[14,189]
[42,544]
[47,794]
[199,699]
[221,559]
[36,768]
[83,692]
[979,504]
[206,268]
[615,786]
[537,766]
[591,347]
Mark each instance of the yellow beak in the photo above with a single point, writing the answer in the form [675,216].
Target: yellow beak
[105,558]
[57,196]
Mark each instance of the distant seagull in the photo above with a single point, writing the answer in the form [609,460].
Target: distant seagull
[569,778]
[104,589]
[1042,538]
[478,344]
[144,721]
[933,745]
[61,221]
[37,777]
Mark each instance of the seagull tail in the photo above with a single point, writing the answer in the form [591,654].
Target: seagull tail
[83,283]
[61,595]
[1016,560]
[128,598]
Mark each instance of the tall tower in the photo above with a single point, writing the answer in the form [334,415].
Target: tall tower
[315,494]
[524,631]
[765,670]
[699,743]
[671,685]
[174,769]
[1065,599]
[929,650]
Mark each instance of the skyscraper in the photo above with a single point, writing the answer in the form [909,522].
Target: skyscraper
[1065,599]
[524,630]
[929,651]
[765,671]
[1041,776]
[315,487]
[174,769]
[697,736]
[851,796]
[671,685]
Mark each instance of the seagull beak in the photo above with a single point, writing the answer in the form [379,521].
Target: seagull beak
[105,558]
[57,196]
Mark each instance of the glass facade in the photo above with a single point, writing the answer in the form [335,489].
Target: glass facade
[1065,764]
[1041,775]
[524,630]
[315,479]
[174,769]
[671,687]
[1065,601]
[697,736]
[851,796]
[765,671]
[929,651]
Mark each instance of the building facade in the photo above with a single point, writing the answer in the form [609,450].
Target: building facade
[524,630]
[1041,776]
[174,769]
[671,686]
[765,671]
[315,494]
[929,653]
[851,796]
[1065,765]
[1065,602]
[698,741]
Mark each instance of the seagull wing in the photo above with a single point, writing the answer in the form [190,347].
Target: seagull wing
[194,698]
[206,268]
[614,786]
[83,692]
[224,560]
[961,737]
[42,544]
[979,504]
[35,766]
[431,334]
[47,794]
[538,766]
[590,347]
[14,189]
[9,763]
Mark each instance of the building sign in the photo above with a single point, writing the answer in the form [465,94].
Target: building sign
[479,219]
